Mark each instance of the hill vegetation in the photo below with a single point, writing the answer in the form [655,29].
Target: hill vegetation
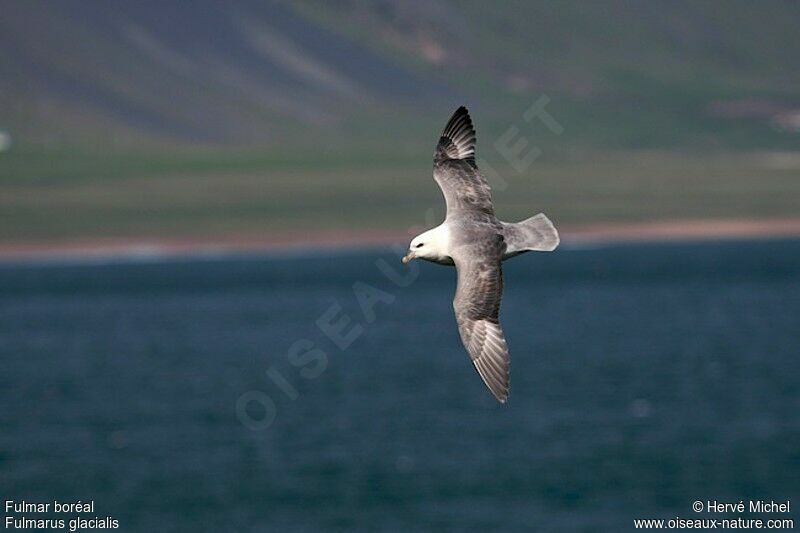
[151,118]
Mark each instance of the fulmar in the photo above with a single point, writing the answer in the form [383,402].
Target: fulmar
[476,242]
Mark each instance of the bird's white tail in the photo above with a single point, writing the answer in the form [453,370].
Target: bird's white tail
[533,234]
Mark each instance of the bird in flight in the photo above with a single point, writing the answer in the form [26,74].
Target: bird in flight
[472,239]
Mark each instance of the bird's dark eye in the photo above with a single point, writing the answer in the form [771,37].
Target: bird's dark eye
[419,245]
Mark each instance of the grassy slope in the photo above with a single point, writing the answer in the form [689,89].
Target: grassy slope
[196,195]
[630,83]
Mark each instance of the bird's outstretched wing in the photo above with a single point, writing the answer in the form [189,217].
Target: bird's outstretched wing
[454,167]
[477,306]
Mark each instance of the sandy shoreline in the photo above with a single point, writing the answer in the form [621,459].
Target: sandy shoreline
[656,231]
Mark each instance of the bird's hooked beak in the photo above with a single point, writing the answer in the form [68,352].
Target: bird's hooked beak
[408,257]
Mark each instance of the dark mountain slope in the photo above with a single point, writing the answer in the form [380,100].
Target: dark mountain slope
[248,72]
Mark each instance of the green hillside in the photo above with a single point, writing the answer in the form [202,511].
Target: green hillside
[171,118]
[262,74]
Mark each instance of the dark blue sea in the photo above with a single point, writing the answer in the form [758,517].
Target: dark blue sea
[331,391]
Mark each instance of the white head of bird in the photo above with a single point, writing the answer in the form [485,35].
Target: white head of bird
[432,245]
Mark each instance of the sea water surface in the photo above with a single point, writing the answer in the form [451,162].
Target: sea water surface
[202,395]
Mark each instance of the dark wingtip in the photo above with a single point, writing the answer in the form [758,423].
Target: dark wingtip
[457,140]
[461,111]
